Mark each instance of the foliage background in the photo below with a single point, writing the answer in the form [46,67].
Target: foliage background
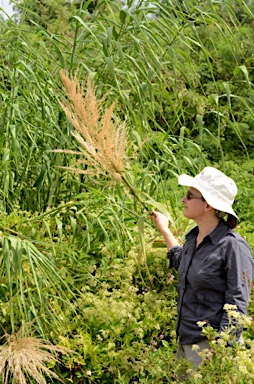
[79,256]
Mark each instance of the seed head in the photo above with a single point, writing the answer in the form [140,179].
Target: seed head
[102,140]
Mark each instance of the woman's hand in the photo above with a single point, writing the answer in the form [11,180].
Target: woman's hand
[160,221]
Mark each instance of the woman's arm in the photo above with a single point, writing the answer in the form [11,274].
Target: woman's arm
[239,270]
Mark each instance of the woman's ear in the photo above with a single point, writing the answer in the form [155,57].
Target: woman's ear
[209,208]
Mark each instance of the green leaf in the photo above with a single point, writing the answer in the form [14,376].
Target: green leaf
[123,16]
[245,72]
[161,208]
[110,64]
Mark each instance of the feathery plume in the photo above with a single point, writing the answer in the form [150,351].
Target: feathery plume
[102,140]
[23,357]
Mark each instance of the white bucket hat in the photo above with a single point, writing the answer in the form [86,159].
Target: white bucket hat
[217,189]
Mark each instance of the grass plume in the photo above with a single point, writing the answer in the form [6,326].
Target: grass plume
[103,142]
[23,358]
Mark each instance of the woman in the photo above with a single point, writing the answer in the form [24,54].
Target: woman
[214,265]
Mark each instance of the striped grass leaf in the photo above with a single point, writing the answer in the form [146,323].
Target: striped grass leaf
[33,280]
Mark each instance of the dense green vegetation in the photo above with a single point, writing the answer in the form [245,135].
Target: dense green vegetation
[81,265]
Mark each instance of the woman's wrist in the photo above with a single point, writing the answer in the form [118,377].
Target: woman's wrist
[169,238]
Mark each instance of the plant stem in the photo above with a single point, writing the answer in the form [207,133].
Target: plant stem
[133,192]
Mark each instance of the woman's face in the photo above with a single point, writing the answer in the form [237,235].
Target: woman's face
[194,204]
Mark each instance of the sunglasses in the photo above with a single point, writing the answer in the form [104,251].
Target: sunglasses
[190,196]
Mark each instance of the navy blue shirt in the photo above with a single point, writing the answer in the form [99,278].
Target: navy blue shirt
[218,272]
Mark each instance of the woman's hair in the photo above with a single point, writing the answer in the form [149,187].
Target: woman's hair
[231,221]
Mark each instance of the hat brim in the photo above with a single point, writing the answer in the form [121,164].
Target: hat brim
[189,181]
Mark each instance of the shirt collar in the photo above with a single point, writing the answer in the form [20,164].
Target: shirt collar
[215,236]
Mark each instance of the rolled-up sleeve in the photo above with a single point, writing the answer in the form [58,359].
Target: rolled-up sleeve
[239,272]
[174,256]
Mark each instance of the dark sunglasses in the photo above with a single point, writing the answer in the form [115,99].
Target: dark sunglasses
[189,196]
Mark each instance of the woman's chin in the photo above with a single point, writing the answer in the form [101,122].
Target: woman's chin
[185,213]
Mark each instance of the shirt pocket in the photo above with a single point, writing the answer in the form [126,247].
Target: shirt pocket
[213,263]
[209,273]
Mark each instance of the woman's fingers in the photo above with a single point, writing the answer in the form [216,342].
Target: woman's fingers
[160,220]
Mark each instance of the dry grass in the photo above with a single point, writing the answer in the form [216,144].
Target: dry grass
[23,358]
[102,140]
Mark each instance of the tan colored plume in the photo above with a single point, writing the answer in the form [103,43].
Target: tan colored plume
[102,140]
[23,358]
